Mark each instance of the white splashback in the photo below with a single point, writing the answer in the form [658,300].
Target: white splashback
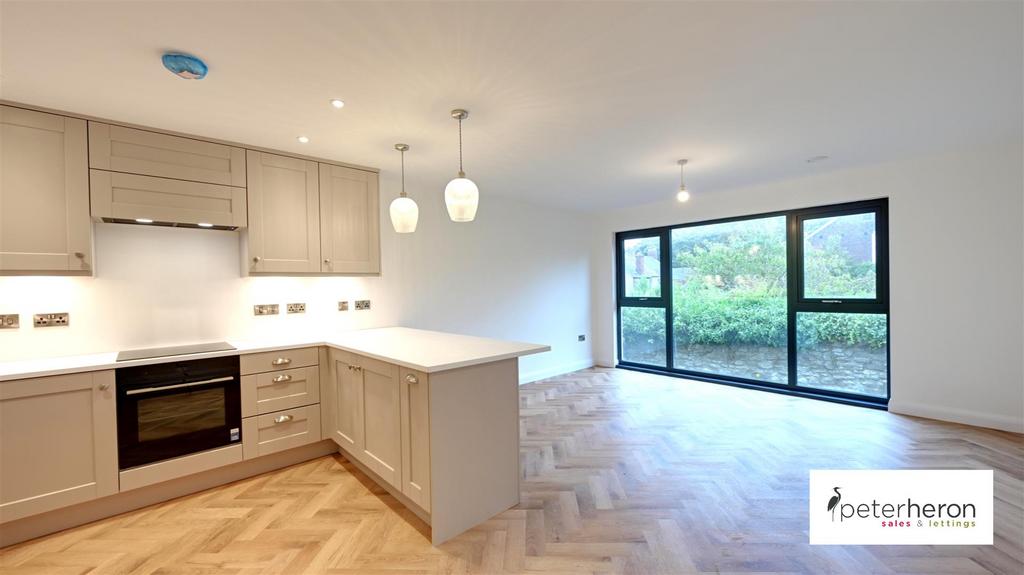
[159,286]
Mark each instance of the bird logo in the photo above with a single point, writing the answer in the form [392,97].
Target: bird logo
[834,501]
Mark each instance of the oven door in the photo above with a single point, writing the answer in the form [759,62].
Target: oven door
[158,421]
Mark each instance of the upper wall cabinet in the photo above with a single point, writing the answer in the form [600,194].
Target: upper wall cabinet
[117,196]
[132,151]
[44,193]
[349,220]
[284,214]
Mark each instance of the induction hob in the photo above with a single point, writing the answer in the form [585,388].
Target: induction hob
[175,350]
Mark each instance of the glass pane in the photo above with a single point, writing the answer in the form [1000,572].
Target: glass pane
[643,335]
[839,257]
[842,352]
[181,413]
[729,298]
[642,266]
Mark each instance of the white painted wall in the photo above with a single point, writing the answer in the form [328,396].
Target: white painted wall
[956,225]
[518,272]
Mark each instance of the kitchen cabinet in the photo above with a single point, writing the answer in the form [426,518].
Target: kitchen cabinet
[58,442]
[349,220]
[284,214]
[44,193]
[134,151]
[116,196]
[281,430]
[274,391]
[415,405]
[365,405]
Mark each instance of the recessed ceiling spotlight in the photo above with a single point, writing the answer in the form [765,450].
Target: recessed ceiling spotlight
[816,159]
[204,225]
[303,139]
[337,103]
[143,221]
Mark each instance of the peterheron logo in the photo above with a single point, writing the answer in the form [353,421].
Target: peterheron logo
[901,507]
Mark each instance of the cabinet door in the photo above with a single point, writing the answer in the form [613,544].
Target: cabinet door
[349,220]
[344,399]
[44,193]
[131,196]
[416,437]
[134,151]
[58,442]
[382,416]
[284,214]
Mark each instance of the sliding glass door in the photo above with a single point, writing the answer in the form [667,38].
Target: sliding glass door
[794,300]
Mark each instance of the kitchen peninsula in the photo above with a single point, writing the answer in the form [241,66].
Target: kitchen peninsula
[431,417]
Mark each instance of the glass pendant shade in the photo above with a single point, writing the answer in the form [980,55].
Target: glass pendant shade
[461,196]
[404,214]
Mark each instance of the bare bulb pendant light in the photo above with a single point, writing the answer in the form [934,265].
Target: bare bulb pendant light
[683,194]
[404,211]
[461,195]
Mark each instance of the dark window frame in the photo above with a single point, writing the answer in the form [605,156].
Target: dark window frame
[796,303]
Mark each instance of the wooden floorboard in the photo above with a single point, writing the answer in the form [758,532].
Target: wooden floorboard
[624,472]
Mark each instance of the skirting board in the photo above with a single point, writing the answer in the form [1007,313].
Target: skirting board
[560,369]
[956,415]
[68,517]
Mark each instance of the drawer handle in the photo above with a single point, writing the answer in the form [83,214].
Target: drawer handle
[104,386]
[410,378]
[354,368]
[282,378]
[281,361]
[282,419]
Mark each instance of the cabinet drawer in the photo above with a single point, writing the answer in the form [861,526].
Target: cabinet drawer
[278,360]
[130,196]
[132,151]
[277,390]
[273,432]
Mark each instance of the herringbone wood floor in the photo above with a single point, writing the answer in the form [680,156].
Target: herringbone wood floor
[623,472]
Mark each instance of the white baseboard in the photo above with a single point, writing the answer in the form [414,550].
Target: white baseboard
[559,369]
[957,415]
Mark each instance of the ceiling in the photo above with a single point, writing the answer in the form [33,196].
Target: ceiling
[581,105]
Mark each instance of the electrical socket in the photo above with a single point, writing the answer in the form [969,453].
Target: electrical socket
[296,308]
[10,321]
[265,309]
[50,319]
[581,337]
[342,306]
[362,304]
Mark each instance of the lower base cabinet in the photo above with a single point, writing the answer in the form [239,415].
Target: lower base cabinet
[280,430]
[58,442]
[366,416]
[446,445]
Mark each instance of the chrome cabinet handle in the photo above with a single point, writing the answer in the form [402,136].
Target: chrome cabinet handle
[104,386]
[410,378]
[282,378]
[282,419]
[281,361]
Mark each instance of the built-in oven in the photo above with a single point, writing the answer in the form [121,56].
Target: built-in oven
[172,409]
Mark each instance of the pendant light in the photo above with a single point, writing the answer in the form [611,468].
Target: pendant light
[461,195]
[404,211]
[683,194]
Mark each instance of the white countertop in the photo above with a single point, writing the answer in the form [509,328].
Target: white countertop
[422,350]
